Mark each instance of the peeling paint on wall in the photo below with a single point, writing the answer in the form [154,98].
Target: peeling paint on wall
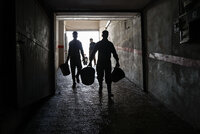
[173,74]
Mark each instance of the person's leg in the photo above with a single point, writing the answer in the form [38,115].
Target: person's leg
[108,79]
[90,57]
[73,74]
[100,74]
[79,67]
[95,61]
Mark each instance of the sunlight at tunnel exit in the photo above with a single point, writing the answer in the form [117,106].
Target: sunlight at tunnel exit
[84,38]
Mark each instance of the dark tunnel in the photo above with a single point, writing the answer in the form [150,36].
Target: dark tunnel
[157,43]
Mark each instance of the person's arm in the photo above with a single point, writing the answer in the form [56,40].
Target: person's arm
[115,55]
[82,52]
[93,54]
[69,54]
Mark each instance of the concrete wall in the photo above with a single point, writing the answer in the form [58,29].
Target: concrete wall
[174,74]
[61,42]
[56,45]
[126,36]
[27,61]
[33,52]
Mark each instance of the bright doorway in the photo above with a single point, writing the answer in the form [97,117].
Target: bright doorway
[84,38]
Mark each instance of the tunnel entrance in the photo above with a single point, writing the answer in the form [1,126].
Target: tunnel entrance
[35,46]
[124,31]
[84,37]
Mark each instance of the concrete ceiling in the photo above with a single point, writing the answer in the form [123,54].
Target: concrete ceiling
[80,21]
[81,25]
[97,5]
[95,16]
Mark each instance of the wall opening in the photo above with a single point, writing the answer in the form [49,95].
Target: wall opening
[124,31]
[84,37]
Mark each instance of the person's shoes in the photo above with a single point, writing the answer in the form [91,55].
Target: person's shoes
[77,79]
[74,85]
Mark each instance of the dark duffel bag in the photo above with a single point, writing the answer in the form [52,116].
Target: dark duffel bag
[87,75]
[65,69]
[117,74]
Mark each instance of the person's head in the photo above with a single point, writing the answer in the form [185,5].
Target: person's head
[75,35]
[91,40]
[105,34]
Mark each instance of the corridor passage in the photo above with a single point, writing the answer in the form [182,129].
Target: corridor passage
[83,111]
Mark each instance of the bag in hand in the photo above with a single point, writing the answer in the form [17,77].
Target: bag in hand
[65,69]
[117,74]
[87,75]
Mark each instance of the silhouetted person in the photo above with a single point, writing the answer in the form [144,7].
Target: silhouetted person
[91,48]
[75,46]
[104,48]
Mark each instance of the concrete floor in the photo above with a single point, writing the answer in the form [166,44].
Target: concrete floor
[84,111]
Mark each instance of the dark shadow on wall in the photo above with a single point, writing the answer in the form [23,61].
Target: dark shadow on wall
[13,112]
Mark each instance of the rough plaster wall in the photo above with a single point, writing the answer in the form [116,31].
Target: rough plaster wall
[61,42]
[56,46]
[126,36]
[33,52]
[175,85]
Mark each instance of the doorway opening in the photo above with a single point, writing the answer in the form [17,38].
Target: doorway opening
[125,33]
[84,37]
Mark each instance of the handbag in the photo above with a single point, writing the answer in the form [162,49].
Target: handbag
[117,74]
[65,69]
[87,75]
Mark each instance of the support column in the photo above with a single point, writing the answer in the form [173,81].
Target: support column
[61,41]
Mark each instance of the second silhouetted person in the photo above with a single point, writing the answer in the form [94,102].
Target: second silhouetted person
[105,48]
